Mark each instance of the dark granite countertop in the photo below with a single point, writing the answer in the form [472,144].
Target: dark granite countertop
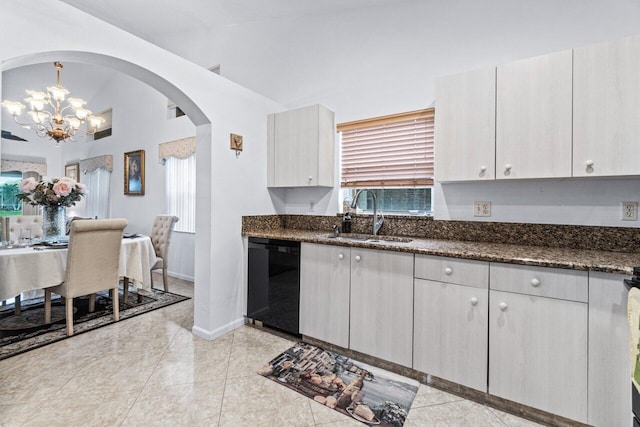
[577,259]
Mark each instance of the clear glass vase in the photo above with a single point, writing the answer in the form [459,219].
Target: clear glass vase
[54,223]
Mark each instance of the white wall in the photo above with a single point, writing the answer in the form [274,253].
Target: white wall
[383,59]
[215,105]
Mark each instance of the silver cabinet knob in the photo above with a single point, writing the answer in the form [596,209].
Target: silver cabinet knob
[589,163]
[310,177]
[358,258]
[503,306]
[448,271]
[507,167]
[474,301]
[483,168]
[341,256]
[535,282]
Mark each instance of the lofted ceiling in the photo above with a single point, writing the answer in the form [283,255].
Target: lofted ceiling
[167,17]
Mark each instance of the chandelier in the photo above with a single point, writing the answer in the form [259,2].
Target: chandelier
[52,117]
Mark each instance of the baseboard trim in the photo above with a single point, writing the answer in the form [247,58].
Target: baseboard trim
[216,333]
[180,276]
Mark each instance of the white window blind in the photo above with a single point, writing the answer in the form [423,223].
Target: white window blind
[387,151]
[97,193]
[181,191]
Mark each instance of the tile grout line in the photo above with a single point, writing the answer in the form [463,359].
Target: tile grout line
[226,376]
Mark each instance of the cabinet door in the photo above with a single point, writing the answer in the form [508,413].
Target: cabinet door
[451,332]
[296,148]
[533,118]
[609,364]
[465,126]
[382,304]
[606,128]
[538,352]
[324,293]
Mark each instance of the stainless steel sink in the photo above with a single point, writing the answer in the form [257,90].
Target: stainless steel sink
[368,238]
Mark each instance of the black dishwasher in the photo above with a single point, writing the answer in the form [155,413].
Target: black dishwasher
[273,295]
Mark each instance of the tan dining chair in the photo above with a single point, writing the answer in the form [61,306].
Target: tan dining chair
[4,228]
[19,222]
[92,266]
[160,237]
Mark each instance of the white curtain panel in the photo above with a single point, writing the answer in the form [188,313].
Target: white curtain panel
[181,191]
[97,198]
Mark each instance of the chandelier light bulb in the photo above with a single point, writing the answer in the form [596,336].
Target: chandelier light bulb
[77,103]
[96,121]
[74,123]
[58,93]
[82,113]
[14,108]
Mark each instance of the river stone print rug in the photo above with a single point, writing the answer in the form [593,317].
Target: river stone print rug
[27,331]
[368,394]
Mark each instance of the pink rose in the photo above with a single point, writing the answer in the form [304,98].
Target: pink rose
[62,188]
[82,188]
[28,185]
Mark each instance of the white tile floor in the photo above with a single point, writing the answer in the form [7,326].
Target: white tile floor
[151,371]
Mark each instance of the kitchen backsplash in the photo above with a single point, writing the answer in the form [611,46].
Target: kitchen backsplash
[619,239]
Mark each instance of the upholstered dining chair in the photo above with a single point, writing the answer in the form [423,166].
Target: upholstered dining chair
[160,236]
[17,223]
[4,228]
[92,265]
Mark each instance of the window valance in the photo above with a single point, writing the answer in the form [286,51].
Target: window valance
[104,162]
[180,148]
[17,165]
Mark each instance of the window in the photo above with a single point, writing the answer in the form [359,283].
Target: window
[393,155]
[97,199]
[181,191]
[9,188]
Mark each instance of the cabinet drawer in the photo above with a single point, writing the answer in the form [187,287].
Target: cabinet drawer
[452,270]
[572,285]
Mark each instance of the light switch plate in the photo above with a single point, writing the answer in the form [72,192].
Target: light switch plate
[482,208]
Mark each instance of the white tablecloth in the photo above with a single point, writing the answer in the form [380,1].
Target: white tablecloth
[26,269]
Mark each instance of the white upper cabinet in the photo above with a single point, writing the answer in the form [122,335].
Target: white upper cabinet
[606,130]
[533,117]
[465,126]
[301,148]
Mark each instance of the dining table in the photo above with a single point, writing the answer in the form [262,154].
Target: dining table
[34,267]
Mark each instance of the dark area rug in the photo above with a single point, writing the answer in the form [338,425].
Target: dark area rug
[27,331]
[368,394]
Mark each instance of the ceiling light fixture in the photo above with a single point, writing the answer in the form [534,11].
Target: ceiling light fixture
[51,117]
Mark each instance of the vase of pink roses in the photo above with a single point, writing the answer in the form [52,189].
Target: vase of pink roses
[54,195]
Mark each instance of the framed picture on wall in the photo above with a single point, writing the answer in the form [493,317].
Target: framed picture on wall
[72,171]
[134,173]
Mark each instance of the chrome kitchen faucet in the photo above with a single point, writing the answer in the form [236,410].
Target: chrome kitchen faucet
[377,222]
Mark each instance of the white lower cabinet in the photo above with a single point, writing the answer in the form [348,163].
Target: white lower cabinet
[553,339]
[382,304]
[451,332]
[538,352]
[609,358]
[325,275]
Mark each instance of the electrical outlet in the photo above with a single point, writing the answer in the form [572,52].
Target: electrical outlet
[481,208]
[629,211]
